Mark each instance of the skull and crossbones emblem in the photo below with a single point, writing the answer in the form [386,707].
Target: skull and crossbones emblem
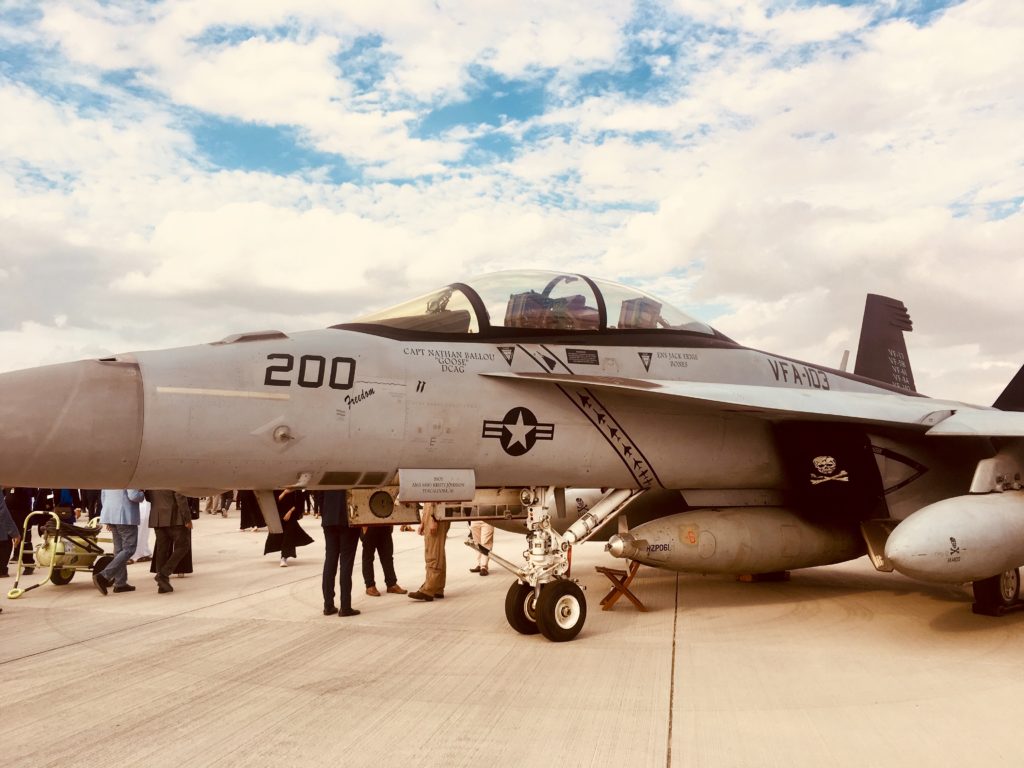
[826,471]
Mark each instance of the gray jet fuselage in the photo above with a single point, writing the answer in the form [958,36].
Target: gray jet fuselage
[750,461]
[344,408]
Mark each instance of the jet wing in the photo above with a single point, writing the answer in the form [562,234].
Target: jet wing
[782,403]
[981,422]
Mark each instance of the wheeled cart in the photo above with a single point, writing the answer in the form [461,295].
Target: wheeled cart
[65,549]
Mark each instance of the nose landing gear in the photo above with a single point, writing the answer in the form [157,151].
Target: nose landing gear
[543,599]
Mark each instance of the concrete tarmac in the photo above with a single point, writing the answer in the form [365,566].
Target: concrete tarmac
[840,666]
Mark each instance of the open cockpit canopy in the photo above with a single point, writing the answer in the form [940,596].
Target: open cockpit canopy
[534,300]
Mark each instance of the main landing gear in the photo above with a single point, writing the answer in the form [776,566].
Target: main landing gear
[998,594]
[543,598]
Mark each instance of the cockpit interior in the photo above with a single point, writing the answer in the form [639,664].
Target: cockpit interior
[535,300]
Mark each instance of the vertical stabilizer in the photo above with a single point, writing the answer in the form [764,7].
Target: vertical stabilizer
[1012,398]
[882,352]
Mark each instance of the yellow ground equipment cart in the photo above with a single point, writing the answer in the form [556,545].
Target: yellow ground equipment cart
[65,549]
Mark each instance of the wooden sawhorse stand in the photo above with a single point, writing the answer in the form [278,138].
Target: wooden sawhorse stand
[620,586]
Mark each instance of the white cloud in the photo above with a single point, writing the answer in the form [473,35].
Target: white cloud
[785,164]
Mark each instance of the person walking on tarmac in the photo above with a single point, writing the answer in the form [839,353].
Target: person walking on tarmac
[171,518]
[120,513]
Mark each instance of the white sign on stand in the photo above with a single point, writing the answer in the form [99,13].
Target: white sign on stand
[436,485]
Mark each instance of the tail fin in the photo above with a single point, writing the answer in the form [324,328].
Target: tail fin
[882,352]
[1012,398]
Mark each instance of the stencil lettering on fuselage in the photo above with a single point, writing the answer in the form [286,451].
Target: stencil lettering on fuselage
[801,375]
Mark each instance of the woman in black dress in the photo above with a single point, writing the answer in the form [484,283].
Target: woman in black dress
[250,516]
[291,502]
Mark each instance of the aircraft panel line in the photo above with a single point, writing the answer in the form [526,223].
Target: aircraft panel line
[222,393]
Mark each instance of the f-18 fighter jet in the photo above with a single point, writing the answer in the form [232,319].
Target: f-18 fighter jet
[713,457]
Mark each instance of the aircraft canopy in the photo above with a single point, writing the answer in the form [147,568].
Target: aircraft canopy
[535,300]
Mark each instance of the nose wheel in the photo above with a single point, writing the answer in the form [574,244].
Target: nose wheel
[561,610]
[559,613]
[521,608]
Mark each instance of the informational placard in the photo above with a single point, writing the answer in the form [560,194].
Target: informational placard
[436,485]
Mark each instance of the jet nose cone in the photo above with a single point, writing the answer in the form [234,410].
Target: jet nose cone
[76,425]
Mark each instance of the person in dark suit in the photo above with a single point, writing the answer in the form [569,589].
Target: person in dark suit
[19,502]
[90,503]
[171,517]
[341,540]
[10,537]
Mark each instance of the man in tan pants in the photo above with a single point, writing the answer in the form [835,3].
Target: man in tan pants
[483,535]
[435,534]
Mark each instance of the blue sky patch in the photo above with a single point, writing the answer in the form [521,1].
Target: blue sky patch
[1003,209]
[365,63]
[236,145]
[493,100]
[227,36]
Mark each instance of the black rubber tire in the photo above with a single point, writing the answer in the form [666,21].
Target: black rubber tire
[62,576]
[520,610]
[101,562]
[561,610]
[998,592]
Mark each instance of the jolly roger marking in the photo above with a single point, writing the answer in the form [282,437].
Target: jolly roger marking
[519,431]
[645,358]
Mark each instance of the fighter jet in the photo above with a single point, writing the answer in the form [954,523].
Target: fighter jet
[507,390]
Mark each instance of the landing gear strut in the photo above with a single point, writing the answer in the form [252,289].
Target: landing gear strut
[543,599]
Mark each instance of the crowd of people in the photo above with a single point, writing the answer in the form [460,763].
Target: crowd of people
[130,514]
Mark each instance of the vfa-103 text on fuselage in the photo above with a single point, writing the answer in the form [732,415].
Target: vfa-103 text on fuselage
[713,457]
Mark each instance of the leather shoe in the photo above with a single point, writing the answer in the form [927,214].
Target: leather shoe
[100,582]
[475,570]
[394,589]
[439,595]
[124,588]
[330,610]
[373,591]
[349,612]
[163,584]
[417,595]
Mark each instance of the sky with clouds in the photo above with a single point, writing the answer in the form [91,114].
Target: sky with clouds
[173,172]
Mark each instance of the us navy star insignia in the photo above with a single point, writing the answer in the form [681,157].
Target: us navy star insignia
[518,431]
